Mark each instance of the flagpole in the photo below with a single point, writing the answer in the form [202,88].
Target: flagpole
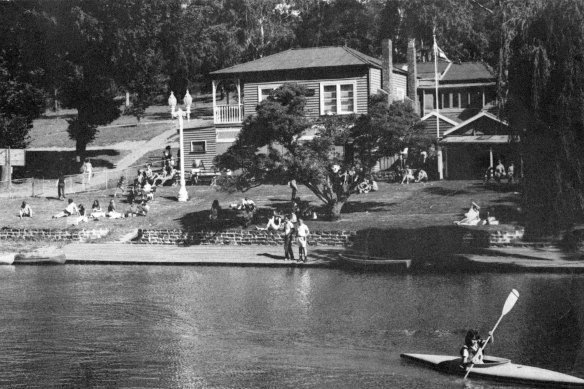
[438,148]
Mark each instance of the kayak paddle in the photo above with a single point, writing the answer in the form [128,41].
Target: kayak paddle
[511,300]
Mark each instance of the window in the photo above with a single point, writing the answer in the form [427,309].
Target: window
[199,146]
[265,90]
[338,98]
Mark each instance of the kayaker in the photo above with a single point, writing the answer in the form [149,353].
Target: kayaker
[471,352]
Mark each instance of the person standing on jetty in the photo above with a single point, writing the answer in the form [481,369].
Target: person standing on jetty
[302,232]
[288,237]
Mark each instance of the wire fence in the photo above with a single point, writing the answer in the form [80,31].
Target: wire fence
[76,183]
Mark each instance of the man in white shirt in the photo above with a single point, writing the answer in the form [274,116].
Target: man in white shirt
[288,238]
[302,233]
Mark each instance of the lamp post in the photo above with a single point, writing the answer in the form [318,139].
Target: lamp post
[182,193]
[172,103]
[188,100]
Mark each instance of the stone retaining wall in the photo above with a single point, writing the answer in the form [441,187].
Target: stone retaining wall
[180,237]
[446,236]
[41,234]
[375,241]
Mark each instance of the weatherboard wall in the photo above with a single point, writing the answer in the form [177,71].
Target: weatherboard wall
[200,136]
[312,81]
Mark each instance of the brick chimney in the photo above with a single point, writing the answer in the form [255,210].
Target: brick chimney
[387,69]
[412,74]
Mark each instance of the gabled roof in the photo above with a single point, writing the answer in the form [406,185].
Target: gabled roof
[307,58]
[475,118]
[440,116]
[453,72]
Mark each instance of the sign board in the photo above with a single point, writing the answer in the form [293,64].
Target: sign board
[16,157]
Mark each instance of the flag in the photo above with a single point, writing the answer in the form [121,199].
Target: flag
[439,53]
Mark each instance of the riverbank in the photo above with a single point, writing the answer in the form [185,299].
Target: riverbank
[398,221]
[497,259]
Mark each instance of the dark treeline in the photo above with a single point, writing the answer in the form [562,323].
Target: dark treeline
[83,53]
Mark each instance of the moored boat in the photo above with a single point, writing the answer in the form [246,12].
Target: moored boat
[42,256]
[6,258]
[373,263]
[498,369]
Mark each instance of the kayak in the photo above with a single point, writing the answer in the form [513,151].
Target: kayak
[373,263]
[499,369]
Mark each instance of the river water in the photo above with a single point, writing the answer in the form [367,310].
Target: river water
[242,327]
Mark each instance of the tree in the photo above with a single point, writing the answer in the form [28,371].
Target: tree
[21,99]
[277,130]
[546,96]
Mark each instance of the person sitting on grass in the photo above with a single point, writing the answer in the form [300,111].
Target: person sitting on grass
[215,210]
[96,211]
[274,223]
[111,211]
[408,175]
[71,209]
[143,208]
[471,218]
[25,210]
[82,215]
[421,176]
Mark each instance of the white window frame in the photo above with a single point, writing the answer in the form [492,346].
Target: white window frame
[338,85]
[266,86]
[199,141]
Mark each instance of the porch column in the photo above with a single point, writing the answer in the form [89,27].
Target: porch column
[214,89]
[445,162]
[239,99]
[491,156]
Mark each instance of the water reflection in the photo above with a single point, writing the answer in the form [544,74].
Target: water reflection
[140,326]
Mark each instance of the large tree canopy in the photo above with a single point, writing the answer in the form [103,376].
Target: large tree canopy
[279,131]
[546,101]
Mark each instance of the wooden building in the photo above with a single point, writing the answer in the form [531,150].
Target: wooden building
[339,80]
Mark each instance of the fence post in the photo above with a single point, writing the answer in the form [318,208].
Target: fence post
[33,187]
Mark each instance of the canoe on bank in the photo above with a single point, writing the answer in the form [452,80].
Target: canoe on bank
[373,263]
[499,369]
[6,258]
[43,256]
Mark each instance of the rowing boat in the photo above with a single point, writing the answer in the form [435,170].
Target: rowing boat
[42,256]
[373,263]
[6,258]
[499,369]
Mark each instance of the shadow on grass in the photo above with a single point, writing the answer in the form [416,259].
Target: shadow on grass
[49,164]
[229,219]
[445,191]
[366,206]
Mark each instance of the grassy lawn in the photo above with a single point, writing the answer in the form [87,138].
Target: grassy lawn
[393,206]
[51,129]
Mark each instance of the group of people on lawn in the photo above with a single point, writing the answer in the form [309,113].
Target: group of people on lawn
[97,212]
[498,172]
[291,225]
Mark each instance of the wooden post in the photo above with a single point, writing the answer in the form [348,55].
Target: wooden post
[214,89]
[239,99]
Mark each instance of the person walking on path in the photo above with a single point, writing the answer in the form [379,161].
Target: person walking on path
[302,232]
[292,184]
[61,187]
[87,170]
[288,237]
